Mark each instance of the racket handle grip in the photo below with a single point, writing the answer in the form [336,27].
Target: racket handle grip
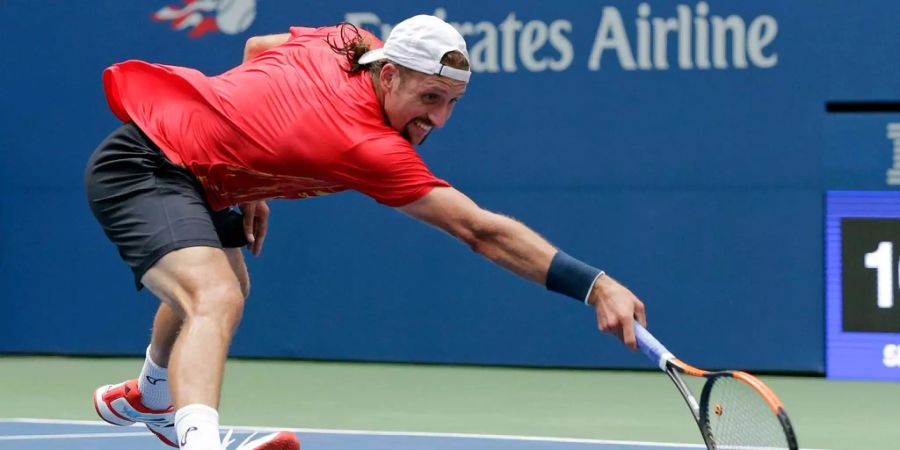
[651,347]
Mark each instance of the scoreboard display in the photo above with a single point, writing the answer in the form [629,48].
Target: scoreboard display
[862,285]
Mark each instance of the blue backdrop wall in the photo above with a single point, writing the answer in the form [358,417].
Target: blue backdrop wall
[693,173]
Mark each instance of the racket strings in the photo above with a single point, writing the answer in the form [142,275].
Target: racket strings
[739,418]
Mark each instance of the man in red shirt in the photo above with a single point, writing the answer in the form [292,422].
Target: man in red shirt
[308,113]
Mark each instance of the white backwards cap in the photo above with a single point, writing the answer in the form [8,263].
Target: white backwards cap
[419,43]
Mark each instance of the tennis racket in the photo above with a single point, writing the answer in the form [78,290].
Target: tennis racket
[736,411]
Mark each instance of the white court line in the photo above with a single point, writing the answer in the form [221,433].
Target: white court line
[60,421]
[25,437]
[239,428]
[386,433]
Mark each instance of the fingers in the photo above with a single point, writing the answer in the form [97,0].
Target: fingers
[616,313]
[260,227]
[622,328]
[256,224]
[640,313]
[253,247]
[602,324]
[628,333]
[249,212]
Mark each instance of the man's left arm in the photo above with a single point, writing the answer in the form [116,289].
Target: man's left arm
[258,44]
[256,214]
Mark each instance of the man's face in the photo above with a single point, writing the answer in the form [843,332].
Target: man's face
[415,102]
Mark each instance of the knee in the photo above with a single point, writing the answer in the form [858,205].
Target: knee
[221,303]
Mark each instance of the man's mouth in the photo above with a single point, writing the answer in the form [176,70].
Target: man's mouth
[422,125]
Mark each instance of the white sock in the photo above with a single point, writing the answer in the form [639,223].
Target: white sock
[154,385]
[197,427]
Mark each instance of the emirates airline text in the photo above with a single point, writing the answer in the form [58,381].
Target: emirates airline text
[686,38]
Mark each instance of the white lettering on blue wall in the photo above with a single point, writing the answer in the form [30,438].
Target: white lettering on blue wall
[699,40]
[508,46]
[686,38]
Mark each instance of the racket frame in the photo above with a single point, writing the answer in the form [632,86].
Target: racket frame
[673,367]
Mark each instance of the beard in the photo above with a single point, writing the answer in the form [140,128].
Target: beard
[408,137]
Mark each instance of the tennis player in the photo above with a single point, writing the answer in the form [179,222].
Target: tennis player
[181,186]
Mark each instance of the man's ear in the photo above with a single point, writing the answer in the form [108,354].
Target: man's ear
[389,75]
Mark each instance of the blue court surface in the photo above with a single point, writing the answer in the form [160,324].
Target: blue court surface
[38,434]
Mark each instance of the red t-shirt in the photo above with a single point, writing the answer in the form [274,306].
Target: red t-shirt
[288,124]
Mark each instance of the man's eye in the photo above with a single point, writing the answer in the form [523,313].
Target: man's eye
[429,97]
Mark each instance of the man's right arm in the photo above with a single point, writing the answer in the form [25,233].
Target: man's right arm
[501,239]
[519,249]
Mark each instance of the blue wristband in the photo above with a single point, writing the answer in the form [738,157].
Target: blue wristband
[571,277]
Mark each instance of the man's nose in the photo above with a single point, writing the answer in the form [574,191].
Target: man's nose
[439,116]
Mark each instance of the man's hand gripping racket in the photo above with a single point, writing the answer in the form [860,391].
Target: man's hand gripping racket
[736,410]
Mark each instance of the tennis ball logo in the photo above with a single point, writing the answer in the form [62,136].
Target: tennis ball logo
[718,410]
[235,16]
[208,16]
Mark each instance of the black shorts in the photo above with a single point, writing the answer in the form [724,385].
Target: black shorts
[148,206]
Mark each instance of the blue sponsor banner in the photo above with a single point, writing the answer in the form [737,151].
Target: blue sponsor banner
[677,145]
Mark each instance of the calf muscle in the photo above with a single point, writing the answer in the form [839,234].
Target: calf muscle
[200,284]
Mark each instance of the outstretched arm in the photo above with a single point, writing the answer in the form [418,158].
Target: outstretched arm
[259,44]
[516,247]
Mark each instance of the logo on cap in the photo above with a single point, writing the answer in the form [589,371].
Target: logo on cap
[208,16]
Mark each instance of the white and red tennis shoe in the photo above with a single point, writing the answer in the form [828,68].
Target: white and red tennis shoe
[120,404]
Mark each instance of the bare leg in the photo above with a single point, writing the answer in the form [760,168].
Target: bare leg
[167,324]
[165,330]
[199,285]
[239,267]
